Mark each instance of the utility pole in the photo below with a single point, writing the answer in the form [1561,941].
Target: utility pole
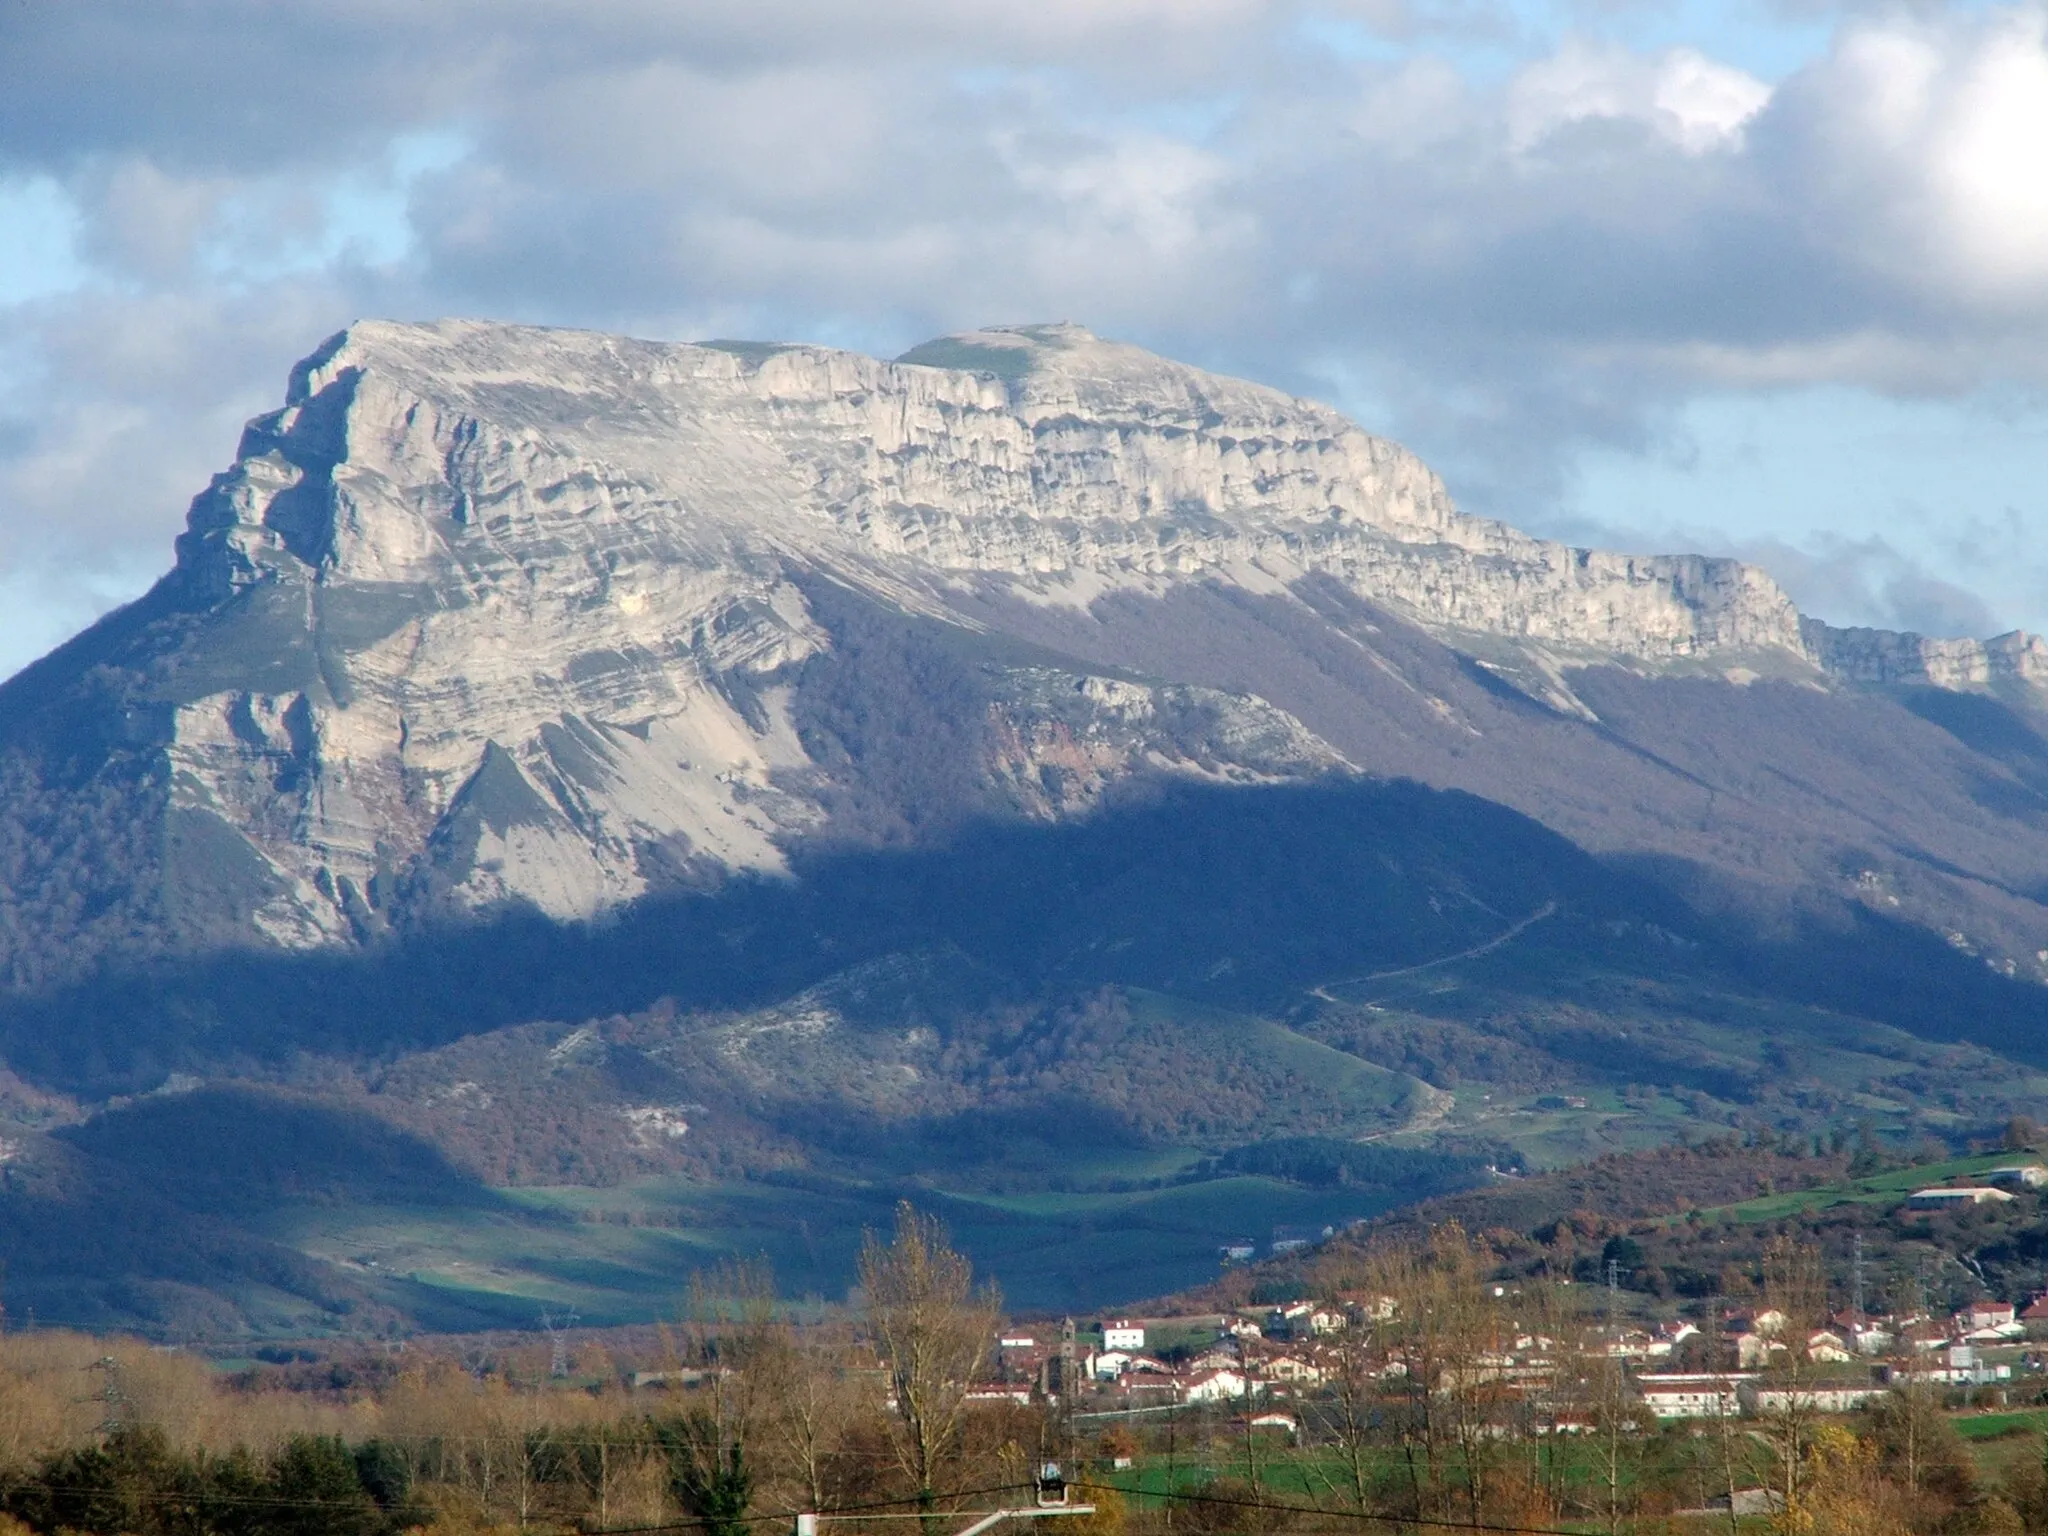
[558,1340]
[112,1400]
[1051,1487]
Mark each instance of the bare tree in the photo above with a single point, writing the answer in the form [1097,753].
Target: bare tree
[810,1406]
[729,1330]
[933,1330]
[1355,1364]
[1558,1402]
[604,1457]
[1795,1288]
[1444,1348]
[1908,1422]
[1616,1438]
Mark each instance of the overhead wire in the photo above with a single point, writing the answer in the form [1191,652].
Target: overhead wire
[1370,1516]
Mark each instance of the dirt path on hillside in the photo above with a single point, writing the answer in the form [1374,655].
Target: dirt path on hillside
[1512,931]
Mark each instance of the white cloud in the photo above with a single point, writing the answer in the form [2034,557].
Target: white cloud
[1683,96]
[1925,147]
[1508,264]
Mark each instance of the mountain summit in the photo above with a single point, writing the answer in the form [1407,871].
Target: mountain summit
[489,614]
[731,787]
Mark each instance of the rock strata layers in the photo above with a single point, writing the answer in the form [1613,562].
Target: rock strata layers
[1888,657]
[490,614]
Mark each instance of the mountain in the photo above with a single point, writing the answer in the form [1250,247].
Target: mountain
[1027,762]
[488,614]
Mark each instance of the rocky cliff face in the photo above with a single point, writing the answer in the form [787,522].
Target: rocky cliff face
[490,614]
[1887,657]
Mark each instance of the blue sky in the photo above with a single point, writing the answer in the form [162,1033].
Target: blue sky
[1768,279]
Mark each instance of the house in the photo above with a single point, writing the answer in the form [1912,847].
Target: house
[1870,1338]
[1123,1335]
[1369,1306]
[1923,1337]
[1019,1351]
[1987,1322]
[998,1392]
[1815,1399]
[1212,1386]
[1150,1380]
[1289,1239]
[1825,1346]
[1485,1366]
[1304,1319]
[1755,1351]
[1635,1344]
[1755,1337]
[686,1377]
[1283,1422]
[1958,1365]
[1955,1197]
[1519,1367]
[1108,1364]
[2037,1310]
[2018,1176]
[1693,1394]
[1743,1501]
[1290,1368]
[1632,1344]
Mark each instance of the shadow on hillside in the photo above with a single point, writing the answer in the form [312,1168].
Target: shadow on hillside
[236,1150]
[135,1219]
[1242,897]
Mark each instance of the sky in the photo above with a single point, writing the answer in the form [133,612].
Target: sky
[1766,278]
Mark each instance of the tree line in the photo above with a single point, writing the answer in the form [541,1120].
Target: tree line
[1452,1402]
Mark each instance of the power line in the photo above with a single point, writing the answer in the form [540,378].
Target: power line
[878,1510]
[1858,1271]
[1376,1517]
[558,1340]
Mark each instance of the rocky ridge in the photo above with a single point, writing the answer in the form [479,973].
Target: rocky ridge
[488,613]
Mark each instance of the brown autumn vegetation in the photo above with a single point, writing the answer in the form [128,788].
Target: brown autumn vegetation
[749,1416]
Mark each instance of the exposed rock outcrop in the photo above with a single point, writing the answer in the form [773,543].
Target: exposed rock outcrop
[1886,656]
[488,613]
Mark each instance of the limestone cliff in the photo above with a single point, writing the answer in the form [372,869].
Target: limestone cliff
[1885,656]
[488,613]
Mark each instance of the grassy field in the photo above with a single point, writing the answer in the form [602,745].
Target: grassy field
[1999,1442]
[1999,1426]
[624,1254]
[1883,1189]
[1369,1094]
[1679,1029]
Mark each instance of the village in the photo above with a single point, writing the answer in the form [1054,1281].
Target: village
[1727,1361]
[1677,1369]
